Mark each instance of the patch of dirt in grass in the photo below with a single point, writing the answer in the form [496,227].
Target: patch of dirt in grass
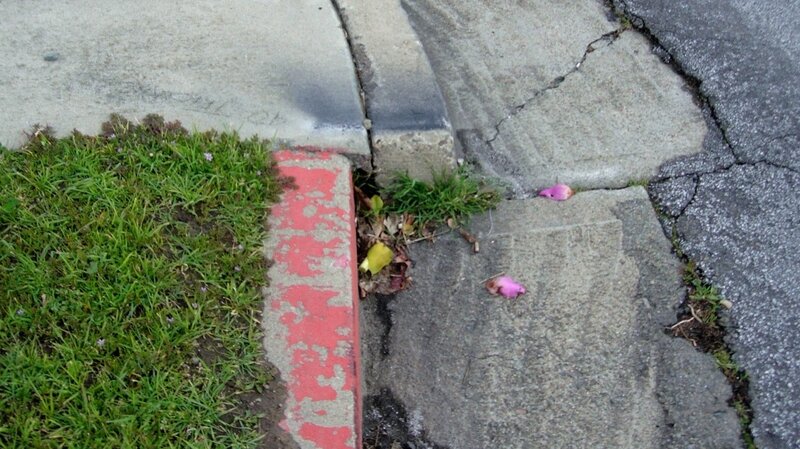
[270,404]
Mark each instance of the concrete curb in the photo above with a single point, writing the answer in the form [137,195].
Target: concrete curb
[311,314]
[410,128]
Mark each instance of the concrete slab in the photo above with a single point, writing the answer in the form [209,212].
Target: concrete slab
[410,128]
[525,113]
[276,68]
[581,360]
[311,314]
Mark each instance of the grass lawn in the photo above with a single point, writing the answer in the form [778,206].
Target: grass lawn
[130,276]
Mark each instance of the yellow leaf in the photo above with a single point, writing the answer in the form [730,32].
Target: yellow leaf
[377,204]
[378,256]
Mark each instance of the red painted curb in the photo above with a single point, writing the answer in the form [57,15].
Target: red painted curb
[311,318]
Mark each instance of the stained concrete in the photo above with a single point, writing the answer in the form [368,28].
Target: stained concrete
[244,65]
[540,92]
[581,360]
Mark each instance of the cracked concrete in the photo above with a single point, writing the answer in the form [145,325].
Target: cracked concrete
[580,360]
[539,93]
[409,129]
[741,223]
[532,103]
[608,38]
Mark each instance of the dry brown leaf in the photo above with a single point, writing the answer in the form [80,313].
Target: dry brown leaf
[392,224]
[361,199]
[377,227]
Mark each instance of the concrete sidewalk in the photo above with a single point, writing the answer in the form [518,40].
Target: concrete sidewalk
[579,361]
[279,69]
[541,92]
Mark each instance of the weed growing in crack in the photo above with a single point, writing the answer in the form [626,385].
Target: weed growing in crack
[452,195]
[704,299]
[408,211]
[745,418]
[699,322]
[642,182]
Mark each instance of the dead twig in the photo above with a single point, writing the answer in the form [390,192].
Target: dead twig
[476,246]
[694,314]
[692,340]
[428,237]
[679,323]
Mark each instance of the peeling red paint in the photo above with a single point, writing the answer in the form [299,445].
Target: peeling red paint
[326,436]
[315,245]
[302,253]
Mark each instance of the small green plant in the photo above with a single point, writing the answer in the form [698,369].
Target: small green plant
[744,414]
[624,22]
[725,362]
[452,194]
[642,182]
[702,293]
[130,267]
[703,328]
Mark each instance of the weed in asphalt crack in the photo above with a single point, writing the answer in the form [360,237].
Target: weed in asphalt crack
[700,323]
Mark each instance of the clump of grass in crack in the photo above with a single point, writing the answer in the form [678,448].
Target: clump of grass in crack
[745,418]
[739,382]
[130,267]
[704,296]
[452,194]
[700,324]
[643,182]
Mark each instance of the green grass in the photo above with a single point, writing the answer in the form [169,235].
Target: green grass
[641,182]
[130,267]
[725,363]
[744,420]
[703,293]
[454,194]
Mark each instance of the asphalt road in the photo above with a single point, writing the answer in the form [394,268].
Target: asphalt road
[736,206]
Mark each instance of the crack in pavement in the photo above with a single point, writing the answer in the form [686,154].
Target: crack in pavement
[641,26]
[359,66]
[608,38]
[696,178]
[738,159]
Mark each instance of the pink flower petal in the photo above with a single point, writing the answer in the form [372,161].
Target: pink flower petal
[505,286]
[558,192]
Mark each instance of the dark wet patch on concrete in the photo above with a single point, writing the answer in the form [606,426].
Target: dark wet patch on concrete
[387,425]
